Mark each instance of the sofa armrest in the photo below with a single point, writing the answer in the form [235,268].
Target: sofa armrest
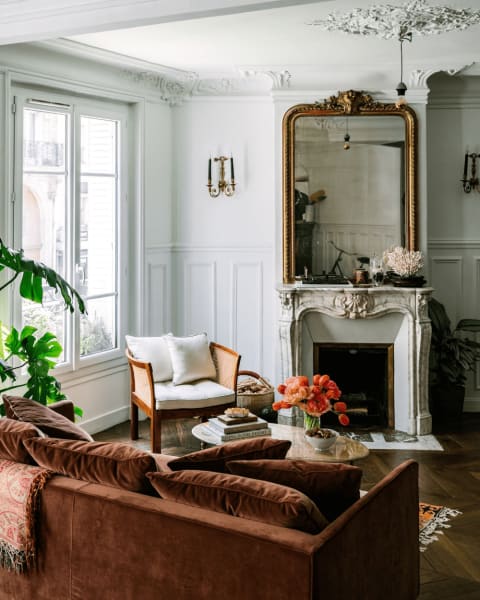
[226,362]
[64,408]
[373,546]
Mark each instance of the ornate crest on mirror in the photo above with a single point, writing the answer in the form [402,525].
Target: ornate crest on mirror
[349,185]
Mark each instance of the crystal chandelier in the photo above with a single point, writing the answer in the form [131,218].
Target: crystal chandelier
[401,22]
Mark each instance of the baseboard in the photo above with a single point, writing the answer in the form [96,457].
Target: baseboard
[471,405]
[107,420]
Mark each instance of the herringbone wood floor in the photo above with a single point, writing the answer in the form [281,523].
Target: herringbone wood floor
[450,567]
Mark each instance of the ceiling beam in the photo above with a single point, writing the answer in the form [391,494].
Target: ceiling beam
[30,20]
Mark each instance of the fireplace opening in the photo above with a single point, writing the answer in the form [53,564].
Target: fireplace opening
[364,374]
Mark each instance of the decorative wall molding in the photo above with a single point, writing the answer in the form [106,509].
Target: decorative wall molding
[200,297]
[172,91]
[157,296]
[452,243]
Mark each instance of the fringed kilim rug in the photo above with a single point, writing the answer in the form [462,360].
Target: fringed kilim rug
[431,519]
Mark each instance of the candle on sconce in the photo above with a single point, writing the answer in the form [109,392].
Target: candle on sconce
[232,173]
[209,171]
[465,166]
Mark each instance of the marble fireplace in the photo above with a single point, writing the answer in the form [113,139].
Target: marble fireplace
[384,315]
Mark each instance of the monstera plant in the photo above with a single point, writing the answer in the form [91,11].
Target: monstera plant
[37,355]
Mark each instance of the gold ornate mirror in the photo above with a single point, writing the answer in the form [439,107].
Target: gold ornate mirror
[349,184]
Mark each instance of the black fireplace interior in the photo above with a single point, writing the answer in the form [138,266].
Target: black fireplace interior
[364,374]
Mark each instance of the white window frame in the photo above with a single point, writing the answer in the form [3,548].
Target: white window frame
[77,106]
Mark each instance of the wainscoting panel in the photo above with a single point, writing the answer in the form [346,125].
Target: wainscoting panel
[157,299]
[199,302]
[454,273]
[247,309]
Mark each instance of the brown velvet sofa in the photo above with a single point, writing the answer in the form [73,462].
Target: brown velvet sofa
[101,543]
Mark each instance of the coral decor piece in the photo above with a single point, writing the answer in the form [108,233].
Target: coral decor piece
[314,399]
[403,262]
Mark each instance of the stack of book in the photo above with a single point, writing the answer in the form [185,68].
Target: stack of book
[227,428]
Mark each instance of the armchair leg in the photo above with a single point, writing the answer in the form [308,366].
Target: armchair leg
[156,431]
[133,421]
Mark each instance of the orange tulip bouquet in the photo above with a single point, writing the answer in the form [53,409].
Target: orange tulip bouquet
[315,400]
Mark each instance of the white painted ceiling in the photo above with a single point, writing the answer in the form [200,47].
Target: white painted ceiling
[280,38]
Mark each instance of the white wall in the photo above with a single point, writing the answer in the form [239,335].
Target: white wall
[454,216]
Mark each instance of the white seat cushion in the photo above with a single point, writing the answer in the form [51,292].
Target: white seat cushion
[199,394]
[191,358]
[155,351]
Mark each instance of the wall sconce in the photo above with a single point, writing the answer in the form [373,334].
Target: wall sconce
[228,188]
[471,183]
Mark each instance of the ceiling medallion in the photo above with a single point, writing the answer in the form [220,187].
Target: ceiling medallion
[401,22]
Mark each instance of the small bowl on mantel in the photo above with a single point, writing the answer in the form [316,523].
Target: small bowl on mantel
[321,438]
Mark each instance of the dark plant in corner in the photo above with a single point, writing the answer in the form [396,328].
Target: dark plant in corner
[451,357]
[36,354]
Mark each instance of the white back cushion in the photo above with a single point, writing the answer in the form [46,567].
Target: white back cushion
[191,358]
[155,351]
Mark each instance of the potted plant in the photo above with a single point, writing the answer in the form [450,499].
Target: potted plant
[451,357]
[36,354]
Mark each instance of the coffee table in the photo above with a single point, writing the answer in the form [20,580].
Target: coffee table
[344,449]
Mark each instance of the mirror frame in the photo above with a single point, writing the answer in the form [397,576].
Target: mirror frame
[352,103]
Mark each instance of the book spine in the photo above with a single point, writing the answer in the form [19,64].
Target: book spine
[243,434]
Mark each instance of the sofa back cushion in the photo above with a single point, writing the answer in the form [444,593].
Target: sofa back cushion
[153,350]
[110,463]
[333,487]
[215,459]
[47,420]
[191,358]
[12,434]
[241,497]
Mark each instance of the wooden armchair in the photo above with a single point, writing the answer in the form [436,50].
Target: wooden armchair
[202,398]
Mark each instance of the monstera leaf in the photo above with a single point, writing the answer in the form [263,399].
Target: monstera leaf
[34,274]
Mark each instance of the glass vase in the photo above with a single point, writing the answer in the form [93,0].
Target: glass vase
[310,422]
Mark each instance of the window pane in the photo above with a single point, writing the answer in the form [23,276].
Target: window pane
[43,233]
[98,145]
[98,235]
[49,316]
[44,140]
[98,326]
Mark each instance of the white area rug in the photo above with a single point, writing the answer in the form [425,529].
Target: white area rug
[396,441]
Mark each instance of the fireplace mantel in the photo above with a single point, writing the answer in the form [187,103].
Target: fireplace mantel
[354,304]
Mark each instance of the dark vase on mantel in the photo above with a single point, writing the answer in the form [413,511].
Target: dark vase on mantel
[413,281]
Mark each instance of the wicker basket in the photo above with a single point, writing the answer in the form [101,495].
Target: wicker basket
[255,401]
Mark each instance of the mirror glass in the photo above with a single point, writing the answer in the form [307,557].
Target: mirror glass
[349,189]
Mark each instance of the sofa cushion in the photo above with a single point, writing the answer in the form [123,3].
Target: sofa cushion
[46,419]
[191,358]
[110,463]
[241,497]
[332,486]
[155,351]
[12,433]
[215,459]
